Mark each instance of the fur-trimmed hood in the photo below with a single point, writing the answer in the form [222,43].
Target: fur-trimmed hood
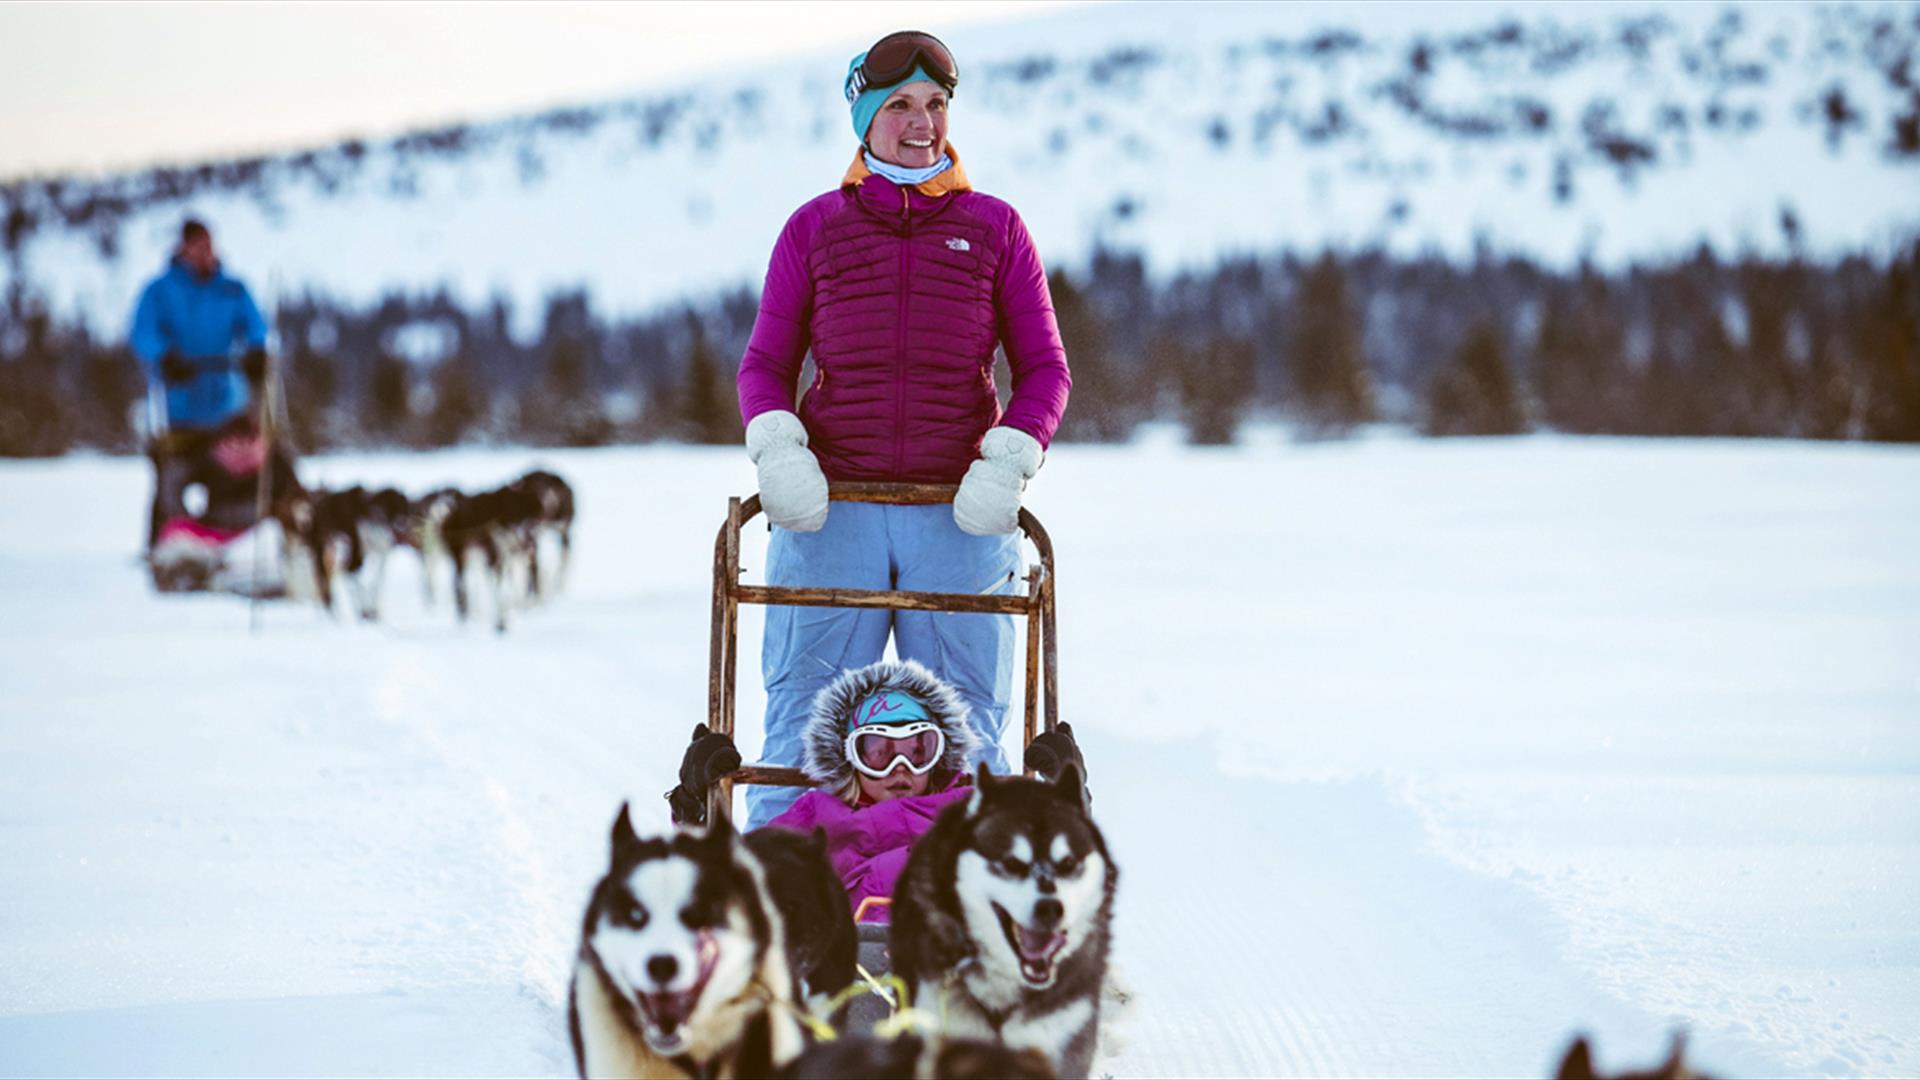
[825,740]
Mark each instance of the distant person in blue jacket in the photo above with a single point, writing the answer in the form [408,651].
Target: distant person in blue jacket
[198,332]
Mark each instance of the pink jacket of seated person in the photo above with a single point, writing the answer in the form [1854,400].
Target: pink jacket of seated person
[868,844]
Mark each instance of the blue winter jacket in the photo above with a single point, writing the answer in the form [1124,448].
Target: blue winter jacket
[207,323]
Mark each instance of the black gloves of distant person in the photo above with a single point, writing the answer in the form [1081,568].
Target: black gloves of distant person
[708,758]
[174,369]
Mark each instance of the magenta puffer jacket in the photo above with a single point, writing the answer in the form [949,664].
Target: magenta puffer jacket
[902,296]
[868,845]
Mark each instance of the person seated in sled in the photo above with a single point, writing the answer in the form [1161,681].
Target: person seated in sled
[901,282]
[198,334]
[889,746]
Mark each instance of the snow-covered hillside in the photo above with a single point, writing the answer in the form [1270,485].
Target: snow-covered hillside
[1416,757]
[1183,131]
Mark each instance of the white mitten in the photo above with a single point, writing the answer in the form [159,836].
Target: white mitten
[988,502]
[793,490]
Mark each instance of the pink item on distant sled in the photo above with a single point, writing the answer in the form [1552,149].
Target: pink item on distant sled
[176,529]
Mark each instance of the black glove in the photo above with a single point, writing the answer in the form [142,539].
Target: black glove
[1051,752]
[685,807]
[174,369]
[254,365]
[708,758]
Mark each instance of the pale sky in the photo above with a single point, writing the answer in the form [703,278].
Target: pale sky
[92,86]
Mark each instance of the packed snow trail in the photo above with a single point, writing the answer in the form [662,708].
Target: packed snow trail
[1416,757]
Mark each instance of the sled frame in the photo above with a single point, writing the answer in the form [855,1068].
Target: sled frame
[1035,605]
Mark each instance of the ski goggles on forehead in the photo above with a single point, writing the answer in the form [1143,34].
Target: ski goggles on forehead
[894,57]
[878,749]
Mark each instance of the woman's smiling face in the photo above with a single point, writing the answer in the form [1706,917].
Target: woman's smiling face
[910,130]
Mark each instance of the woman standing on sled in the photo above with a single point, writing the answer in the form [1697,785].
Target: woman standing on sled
[901,281]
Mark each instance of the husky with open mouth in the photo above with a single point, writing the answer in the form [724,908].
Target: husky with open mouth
[698,950]
[1001,918]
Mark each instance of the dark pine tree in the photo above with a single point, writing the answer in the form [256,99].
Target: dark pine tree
[1474,394]
[712,413]
[386,414]
[34,421]
[109,384]
[459,403]
[1579,375]
[312,383]
[1104,407]
[1331,387]
[1771,390]
[578,416]
[1890,353]
[1216,386]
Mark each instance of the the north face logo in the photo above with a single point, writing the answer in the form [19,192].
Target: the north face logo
[956,244]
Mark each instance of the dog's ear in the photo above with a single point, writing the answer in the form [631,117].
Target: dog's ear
[982,779]
[820,838]
[1071,787]
[624,838]
[1578,1064]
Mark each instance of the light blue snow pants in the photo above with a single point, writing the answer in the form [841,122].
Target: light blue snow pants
[873,546]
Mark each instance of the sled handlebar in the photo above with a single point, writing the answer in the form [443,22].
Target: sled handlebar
[1035,604]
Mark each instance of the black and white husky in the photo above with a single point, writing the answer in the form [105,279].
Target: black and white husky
[699,950]
[1000,919]
[328,536]
[554,498]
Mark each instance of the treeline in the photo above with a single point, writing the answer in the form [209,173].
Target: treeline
[1705,346]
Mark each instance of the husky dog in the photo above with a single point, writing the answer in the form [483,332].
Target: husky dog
[1000,919]
[317,534]
[697,948]
[864,1058]
[497,525]
[293,508]
[1578,1064]
[554,498]
[378,518]
[330,534]
[421,530]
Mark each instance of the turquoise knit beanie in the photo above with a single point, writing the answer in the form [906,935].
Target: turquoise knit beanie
[867,105]
[889,707]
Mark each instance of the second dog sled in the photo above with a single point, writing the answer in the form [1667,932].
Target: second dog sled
[1035,604]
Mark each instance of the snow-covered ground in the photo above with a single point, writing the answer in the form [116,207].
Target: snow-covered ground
[1417,757]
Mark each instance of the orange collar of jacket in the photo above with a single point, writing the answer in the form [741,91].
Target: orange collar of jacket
[954,179]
